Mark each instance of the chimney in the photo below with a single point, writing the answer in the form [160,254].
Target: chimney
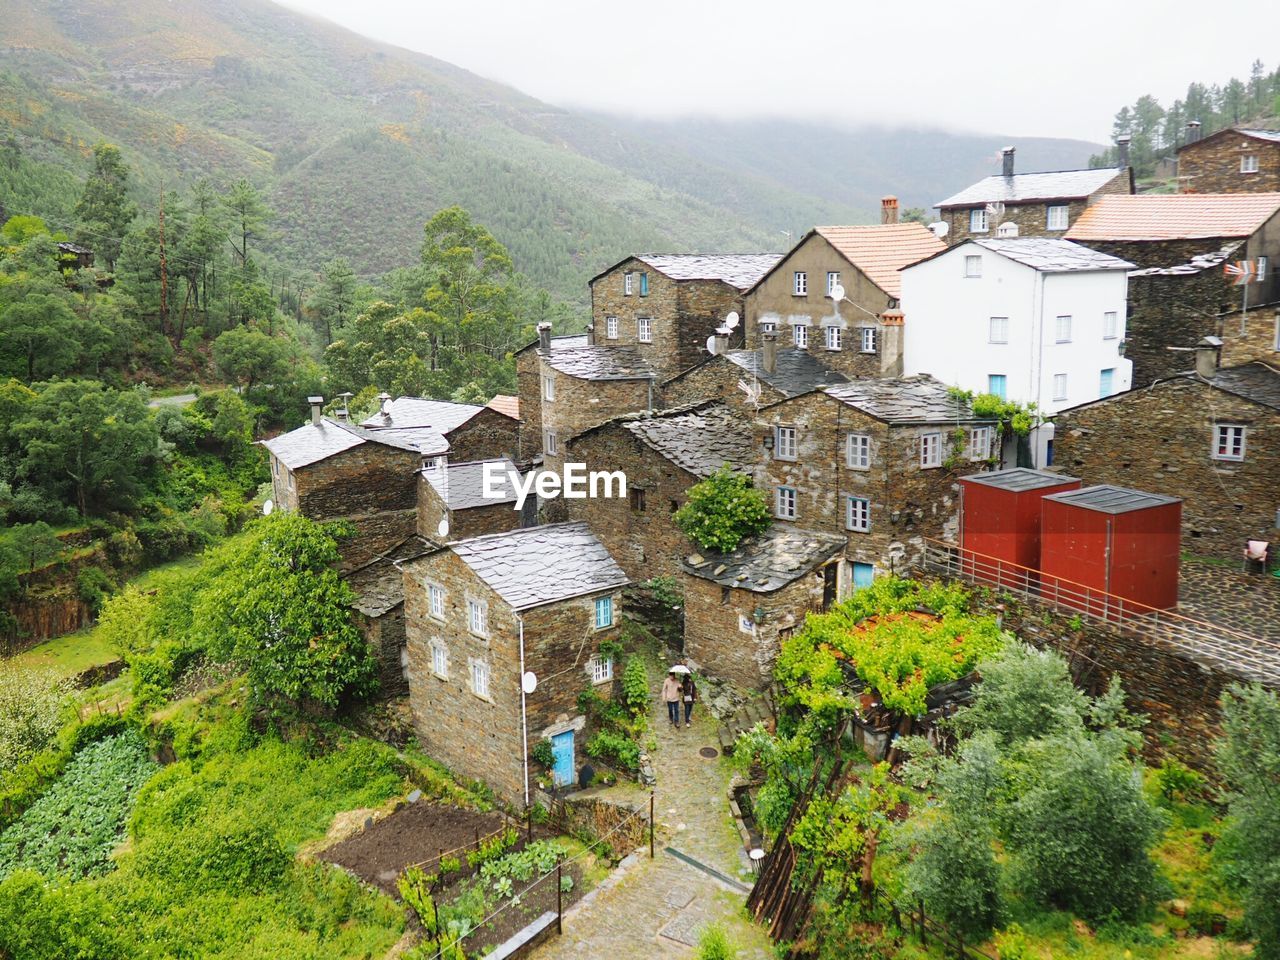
[1193,131]
[889,209]
[316,404]
[345,413]
[1007,154]
[722,341]
[891,343]
[1122,151]
[1207,357]
[769,352]
[384,399]
[544,336]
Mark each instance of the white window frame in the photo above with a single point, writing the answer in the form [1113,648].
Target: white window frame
[1057,216]
[435,601]
[644,329]
[833,277]
[628,283]
[548,388]
[1261,274]
[978,220]
[979,443]
[800,334]
[1276,344]
[550,443]
[857,514]
[1236,435]
[930,450]
[1110,325]
[868,338]
[1062,328]
[600,668]
[1249,163]
[768,326]
[786,503]
[611,328]
[785,443]
[480,679]
[857,451]
[998,330]
[275,468]
[439,659]
[478,618]
[800,283]
[973,266]
[602,604]
[1059,386]
[288,478]
[832,334]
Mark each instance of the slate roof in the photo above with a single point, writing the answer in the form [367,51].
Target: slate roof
[538,565]
[379,584]
[795,372]
[1052,254]
[740,270]
[1174,216]
[596,362]
[1033,187]
[881,250]
[311,443]
[767,561]
[1107,498]
[1272,136]
[443,415]
[504,403]
[700,441]
[1253,381]
[461,485]
[1019,479]
[915,399]
[564,341]
[1198,263]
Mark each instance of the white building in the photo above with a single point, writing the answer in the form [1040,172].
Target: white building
[1033,319]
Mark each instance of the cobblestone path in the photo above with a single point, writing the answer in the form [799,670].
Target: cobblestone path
[658,907]
[1224,594]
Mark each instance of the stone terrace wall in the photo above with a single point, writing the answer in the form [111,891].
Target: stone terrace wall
[487,435]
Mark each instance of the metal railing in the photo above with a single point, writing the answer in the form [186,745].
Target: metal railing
[1243,655]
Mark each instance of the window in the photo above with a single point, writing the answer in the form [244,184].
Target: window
[611,327]
[785,503]
[833,280]
[833,338]
[1109,325]
[997,385]
[431,463]
[275,468]
[1056,217]
[604,612]
[800,333]
[548,388]
[435,599]
[644,284]
[998,330]
[636,494]
[1249,163]
[978,220]
[857,451]
[478,618]
[439,660]
[644,329]
[288,476]
[480,678]
[800,281]
[1059,386]
[1228,442]
[628,282]
[979,443]
[550,446]
[768,326]
[867,339]
[857,514]
[1262,270]
[404,661]
[784,443]
[1106,382]
[931,450]
[601,669]
[973,266]
[1062,330]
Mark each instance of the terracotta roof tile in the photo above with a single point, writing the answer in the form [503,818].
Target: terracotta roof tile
[881,250]
[507,404]
[1175,216]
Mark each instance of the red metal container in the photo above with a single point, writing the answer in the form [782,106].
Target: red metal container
[1000,523]
[1104,547]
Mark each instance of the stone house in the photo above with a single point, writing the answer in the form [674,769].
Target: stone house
[874,461]
[663,454]
[379,613]
[529,384]
[479,615]
[474,432]
[1032,319]
[739,606]
[329,469]
[794,299]
[1210,436]
[665,306]
[1250,335]
[1235,160]
[1035,204]
[749,379]
[452,504]
[1179,292]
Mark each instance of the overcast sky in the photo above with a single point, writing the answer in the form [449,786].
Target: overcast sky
[1021,68]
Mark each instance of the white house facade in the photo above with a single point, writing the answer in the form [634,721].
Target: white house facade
[1033,319]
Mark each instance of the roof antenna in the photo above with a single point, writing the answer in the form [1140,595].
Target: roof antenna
[346,410]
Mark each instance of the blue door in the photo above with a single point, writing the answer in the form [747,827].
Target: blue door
[1104,382]
[863,573]
[562,750]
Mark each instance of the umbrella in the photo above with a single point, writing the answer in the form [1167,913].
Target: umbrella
[679,668]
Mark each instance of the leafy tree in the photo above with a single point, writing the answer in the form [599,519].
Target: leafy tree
[39,336]
[105,210]
[722,509]
[248,356]
[18,230]
[280,609]
[334,300]
[1025,694]
[30,712]
[23,547]
[249,215]
[1249,755]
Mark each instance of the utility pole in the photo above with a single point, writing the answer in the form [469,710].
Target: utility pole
[164,269]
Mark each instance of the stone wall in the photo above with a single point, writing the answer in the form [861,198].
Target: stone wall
[1032,218]
[463,524]
[487,435]
[386,638]
[1212,165]
[529,389]
[1254,335]
[623,828]
[1225,502]
[582,404]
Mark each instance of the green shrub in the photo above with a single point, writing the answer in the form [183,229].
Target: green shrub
[39,921]
[722,510]
[93,587]
[615,748]
[714,944]
[449,865]
[415,888]
[635,686]
[1176,781]
[30,712]
[543,754]
[493,847]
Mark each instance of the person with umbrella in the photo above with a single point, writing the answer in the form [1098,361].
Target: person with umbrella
[690,691]
[673,693]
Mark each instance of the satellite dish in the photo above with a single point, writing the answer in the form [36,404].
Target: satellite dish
[995,210]
[267,507]
[443,527]
[732,320]
[711,345]
[837,292]
[940,228]
[529,682]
